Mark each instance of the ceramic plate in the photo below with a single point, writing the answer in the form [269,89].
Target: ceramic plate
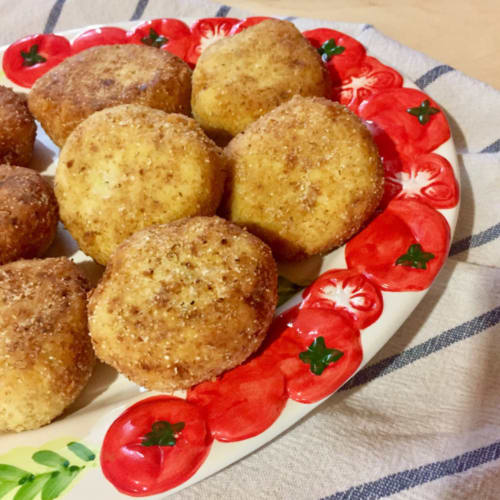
[357,297]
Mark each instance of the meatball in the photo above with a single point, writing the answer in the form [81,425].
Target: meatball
[17,129]
[28,214]
[46,356]
[105,76]
[240,78]
[182,302]
[129,167]
[304,178]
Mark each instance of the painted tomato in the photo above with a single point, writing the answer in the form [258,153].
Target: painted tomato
[107,35]
[168,34]
[358,83]
[428,178]
[347,292]
[404,122]
[338,50]
[29,58]
[246,23]
[207,31]
[243,402]
[155,445]
[317,350]
[403,248]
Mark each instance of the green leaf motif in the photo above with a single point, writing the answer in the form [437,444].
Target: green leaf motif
[319,356]
[423,112]
[6,486]
[154,39]
[59,481]
[81,451]
[415,257]
[30,489]
[330,49]
[286,290]
[11,473]
[32,57]
[163,433]
[50,459]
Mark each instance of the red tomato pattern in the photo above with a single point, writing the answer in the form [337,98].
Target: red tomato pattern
[106,35]
[397,131]
[358,83]
[375,250]
[140,470]
[351,57]
[245,401]
[346,292]
[51,49]
[176,33]
[428,178]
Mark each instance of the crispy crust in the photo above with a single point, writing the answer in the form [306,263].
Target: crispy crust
[106,76]
[129,167]
[46,356]
[17,129]
[304,178]
[182,302]
[240,78]
[28,214]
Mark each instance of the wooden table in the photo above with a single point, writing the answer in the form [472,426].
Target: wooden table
[461,33]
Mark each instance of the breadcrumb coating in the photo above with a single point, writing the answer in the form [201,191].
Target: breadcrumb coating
[105,76]
[304,178]
[240,78]
[46,356]
[181,303]
[17,129]
[28,214]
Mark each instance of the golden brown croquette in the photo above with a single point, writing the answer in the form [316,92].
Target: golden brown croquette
[17,129]
[129,167]
[242,77]
[28,214]
[46,356]
[182,302]
[105,76]
[304,178]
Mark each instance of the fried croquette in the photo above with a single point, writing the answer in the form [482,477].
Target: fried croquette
[129,167]
[17,129]
[28,214]
[46,356]
[182,302]
[106,76]
[240,78]
[304,178]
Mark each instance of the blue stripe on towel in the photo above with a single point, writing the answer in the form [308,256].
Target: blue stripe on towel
[408,356]
[139,10]
[389,485]
[492,148]
[223,11]
[54,14]
[476,240]
[432,75]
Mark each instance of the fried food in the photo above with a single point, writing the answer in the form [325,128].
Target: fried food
[106,76]
[304,178]
[182,302]
[240,78]
[28,214]
[129,167]
[46,356]
[17,129]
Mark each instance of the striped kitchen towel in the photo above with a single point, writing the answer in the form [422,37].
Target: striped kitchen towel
[422,420]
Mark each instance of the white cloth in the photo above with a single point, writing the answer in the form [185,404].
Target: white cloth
[422,420]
